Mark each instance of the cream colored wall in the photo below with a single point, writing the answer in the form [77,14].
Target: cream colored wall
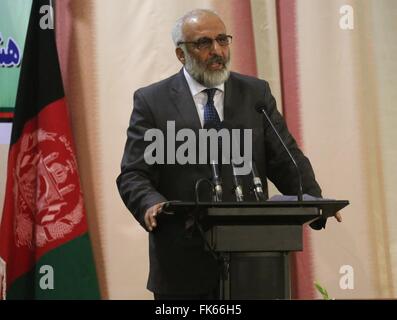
[346,93]
[383,14]
[264,20]
[266,44]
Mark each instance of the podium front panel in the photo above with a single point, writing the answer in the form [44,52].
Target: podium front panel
[259,276]
[251,238]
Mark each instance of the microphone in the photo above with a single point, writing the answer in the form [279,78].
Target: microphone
[260,107]
[216,177]
[258,188]
[238,186]
[217,181]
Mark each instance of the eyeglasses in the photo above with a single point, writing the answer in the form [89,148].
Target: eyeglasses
[206,43]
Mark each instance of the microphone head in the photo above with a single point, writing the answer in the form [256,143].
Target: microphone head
[260,106]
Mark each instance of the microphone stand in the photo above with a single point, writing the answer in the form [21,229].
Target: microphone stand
[300,189]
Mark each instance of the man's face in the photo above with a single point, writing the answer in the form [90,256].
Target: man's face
[209,65]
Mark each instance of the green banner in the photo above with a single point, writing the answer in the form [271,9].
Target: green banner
[14,18]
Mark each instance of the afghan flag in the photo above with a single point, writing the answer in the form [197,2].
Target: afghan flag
[45,250]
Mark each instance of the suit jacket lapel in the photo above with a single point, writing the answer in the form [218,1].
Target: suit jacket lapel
[184,102]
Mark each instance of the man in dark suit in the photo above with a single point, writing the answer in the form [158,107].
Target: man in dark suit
[204,90]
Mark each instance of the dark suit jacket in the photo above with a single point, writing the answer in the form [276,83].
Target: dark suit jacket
[178,262]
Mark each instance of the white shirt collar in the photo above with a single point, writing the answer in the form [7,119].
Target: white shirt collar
[195,87]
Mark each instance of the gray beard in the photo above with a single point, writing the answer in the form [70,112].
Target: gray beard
[206,78]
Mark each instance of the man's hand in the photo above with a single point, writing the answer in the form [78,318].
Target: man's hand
[338,216]
[151,215]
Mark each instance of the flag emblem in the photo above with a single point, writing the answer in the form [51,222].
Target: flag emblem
[45,180]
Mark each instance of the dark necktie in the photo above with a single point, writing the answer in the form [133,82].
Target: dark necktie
[210,113]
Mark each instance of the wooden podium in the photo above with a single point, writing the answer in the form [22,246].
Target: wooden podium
[253,240]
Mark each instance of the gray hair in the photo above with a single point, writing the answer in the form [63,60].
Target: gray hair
[177,30]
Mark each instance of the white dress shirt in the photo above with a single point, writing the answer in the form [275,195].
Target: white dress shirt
[200,98]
